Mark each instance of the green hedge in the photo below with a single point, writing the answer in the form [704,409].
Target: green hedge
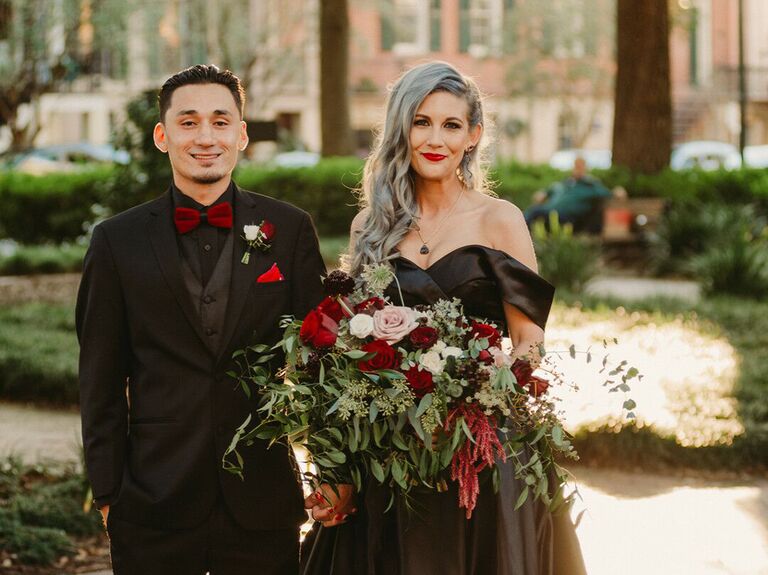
[43,259]
[53,208]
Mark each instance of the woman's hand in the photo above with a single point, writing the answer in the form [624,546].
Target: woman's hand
[331,505]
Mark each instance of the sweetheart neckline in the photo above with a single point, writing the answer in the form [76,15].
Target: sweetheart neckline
[453,251]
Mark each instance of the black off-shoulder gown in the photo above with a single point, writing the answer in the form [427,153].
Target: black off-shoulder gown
[435,537]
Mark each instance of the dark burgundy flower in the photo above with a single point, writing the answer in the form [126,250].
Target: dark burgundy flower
[370,305]
[387,357]
[423,337]
[420,381]
[339,283]
[483,330]
[522,370]
[318,330]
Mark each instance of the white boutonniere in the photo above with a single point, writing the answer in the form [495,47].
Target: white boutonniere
[258,237]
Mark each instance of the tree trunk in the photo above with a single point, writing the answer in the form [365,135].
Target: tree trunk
[334,91]
[642,126]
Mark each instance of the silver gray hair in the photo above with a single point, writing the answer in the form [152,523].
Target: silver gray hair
[388,188]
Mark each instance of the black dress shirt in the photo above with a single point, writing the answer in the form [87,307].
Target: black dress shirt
[202,247]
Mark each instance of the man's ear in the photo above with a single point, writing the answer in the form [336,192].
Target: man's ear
[158,135]
[243,143]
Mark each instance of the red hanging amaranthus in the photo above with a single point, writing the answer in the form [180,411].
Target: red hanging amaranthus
[475,456]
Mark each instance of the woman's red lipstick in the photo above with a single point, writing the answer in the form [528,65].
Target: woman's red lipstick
[434,157]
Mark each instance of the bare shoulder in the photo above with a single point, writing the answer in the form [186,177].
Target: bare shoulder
[508,232]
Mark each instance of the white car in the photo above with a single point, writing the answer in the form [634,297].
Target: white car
[756,156]
[296,159]
[705,155]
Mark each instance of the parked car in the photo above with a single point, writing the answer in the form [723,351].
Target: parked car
[296,159]
[756,156]
[64,157]
[706,155]
[563,159]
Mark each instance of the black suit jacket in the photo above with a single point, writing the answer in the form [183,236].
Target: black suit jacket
[154,454]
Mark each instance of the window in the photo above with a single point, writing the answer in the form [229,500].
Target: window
[406,26]
[480,24]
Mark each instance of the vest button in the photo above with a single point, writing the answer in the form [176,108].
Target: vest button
[210,331]
[207,247]
[208,299]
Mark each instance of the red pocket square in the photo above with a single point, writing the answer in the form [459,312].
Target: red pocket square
[273,274]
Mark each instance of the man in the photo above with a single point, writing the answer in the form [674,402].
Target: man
[578,201]
[167,296]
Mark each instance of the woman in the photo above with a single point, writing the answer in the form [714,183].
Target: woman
[427,212]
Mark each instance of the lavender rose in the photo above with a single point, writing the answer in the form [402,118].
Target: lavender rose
[393,323]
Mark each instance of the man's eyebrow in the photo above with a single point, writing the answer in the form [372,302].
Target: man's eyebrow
[195,112]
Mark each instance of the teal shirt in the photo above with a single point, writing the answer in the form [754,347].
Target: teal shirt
[573,198]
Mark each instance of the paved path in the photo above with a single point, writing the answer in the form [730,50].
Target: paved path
[634,524]
[634,288]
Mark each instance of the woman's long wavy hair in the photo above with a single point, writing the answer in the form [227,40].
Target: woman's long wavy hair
[388,189]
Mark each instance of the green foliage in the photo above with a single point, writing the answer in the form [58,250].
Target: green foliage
[40,508]
[38,353]
[723,246]
[149,172]
[43,259]
[51,208]
[566,260]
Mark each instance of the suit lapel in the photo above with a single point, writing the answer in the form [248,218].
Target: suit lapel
[162,235]
[243,275]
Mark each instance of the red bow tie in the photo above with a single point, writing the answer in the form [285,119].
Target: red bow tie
[187,219]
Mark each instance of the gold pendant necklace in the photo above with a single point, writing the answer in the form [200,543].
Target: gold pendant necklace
[424,250]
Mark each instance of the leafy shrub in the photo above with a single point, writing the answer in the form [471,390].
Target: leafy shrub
[51,208]
[566,260]
[43,259]
[38,353]
[58,505]
[40,508]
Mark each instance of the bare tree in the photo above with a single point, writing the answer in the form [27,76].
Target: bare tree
[642,127]
[334,91]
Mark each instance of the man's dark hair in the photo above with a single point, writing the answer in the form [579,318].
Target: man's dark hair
[201,74]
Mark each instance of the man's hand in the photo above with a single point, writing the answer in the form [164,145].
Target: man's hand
[331,507]
[104,514]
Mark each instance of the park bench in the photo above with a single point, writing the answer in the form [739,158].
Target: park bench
[630,220]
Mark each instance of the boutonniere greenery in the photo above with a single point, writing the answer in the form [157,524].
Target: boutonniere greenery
[259,237]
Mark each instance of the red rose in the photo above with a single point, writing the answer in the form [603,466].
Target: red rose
[420,381]
[268,229]
[423,337]
[537,386]
[485,357]
[522,370]
[387,357]
[318,330]
[483,330]
[331,307]
[370,305]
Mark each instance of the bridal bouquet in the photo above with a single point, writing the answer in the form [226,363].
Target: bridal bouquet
[404,396]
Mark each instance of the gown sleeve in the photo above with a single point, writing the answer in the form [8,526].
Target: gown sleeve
[522,287]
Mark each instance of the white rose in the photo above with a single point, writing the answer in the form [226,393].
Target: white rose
[432,362]
[439,346]
[361,325]
[451,351]
[251,232]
